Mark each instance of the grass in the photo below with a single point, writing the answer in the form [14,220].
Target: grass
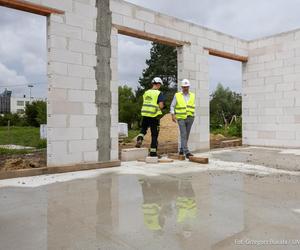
[131,134]
[24,136]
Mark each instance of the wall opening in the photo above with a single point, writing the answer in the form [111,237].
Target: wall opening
[23,87]
[138,62]
[225,102]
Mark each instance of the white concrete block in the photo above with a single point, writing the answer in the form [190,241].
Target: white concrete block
[82,46]
[89,36]
[57,68]
[65,56]
[151,159]
[66,82]
[64,30]
[79,21]
[55,94]
[145,15]
[87,10]
[81,96]
[82,121]
[57,42]
[90,109]
[133,23]
[82,146]
[63,134]
[81,71]
[89,60]
[57,121]
[65,5]
[89,84]
[154,29]
[117,19]
[90,133]
[133,154]
[121,8]
[285,135]
[90,156]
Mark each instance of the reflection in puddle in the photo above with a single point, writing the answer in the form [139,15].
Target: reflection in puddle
[133,212]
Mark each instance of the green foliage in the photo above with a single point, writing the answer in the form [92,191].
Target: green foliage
[15,119]
[25,136]
[36,113]
[129,111]
[224,106]
[162,63]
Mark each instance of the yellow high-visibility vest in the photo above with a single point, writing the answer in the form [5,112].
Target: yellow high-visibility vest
[150,107]
[183,109]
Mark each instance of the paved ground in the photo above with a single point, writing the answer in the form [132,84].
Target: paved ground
[223,205]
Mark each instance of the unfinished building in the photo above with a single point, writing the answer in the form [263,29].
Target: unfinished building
[83,76]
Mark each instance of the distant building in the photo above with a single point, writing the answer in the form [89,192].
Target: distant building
[9,104]
[18,105]
[5,99]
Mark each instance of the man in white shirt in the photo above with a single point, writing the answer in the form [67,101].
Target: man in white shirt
[183,110]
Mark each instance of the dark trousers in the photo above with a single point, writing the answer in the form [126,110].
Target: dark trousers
[153,123]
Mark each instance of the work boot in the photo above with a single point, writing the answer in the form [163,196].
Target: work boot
[139,141]
[153,154]
[180,152]
[188,155]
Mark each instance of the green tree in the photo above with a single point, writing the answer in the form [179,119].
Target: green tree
[162,63]
[225,105]
[36,113]
[129,111]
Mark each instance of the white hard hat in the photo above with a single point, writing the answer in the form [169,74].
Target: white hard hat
[185,83]
[157,80]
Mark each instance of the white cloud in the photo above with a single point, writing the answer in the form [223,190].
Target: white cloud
[132,57]
[10,78]
[23,47]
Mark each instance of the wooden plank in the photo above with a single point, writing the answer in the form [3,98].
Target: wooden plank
[227,55]
[176,157]
[57,170]
[30,7]
[202,160]
[149,37]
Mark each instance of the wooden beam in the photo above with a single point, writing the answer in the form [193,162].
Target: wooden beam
[56,170]
[30,7]
[227,55]
[149,37]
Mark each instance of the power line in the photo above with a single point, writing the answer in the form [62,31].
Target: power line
[24,85]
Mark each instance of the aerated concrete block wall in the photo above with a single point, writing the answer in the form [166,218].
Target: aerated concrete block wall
[83,78]
[271,91]
[192,57]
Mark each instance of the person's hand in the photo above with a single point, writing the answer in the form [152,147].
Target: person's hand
[174,118]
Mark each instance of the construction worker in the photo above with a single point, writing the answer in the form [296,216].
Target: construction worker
[183,110]
[153,103]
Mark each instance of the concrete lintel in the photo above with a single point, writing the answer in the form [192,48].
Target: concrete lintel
[227,55]
[148,36]
[30,7]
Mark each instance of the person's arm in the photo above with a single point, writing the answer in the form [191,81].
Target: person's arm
[161,101]
[172,108]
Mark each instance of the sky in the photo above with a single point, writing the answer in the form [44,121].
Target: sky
[23,39]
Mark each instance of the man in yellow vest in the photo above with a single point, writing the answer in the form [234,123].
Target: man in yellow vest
[183,112]
[153,103]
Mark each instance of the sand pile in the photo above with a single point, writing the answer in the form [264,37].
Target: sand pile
[168,131]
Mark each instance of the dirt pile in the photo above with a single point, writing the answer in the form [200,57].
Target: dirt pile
[168,131]
[17,162]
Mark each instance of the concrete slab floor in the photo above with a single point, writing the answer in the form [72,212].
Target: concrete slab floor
[180,205]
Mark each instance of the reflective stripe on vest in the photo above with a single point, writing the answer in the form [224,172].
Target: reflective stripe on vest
[186,208]
[150,107]
[183,109]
